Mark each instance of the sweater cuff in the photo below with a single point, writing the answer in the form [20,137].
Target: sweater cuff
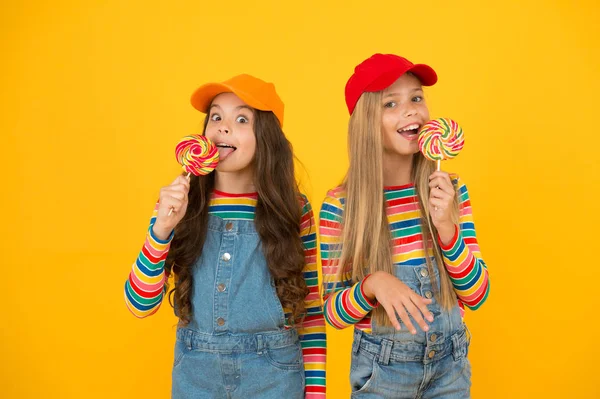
[158,240]
[452,242]
[373,303]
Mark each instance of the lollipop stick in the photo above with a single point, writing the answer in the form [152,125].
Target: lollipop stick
[438,169]
[172,209]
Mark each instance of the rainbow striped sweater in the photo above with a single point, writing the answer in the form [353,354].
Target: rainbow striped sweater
[146,286]
[345,304]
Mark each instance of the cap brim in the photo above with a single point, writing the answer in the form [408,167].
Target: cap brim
[204,95]
[425,73]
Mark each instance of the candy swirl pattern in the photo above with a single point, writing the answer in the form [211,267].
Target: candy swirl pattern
[197,154]
[441,139]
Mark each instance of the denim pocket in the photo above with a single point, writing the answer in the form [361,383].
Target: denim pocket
[180,351]
[286,358]
[461,347]
[362,371]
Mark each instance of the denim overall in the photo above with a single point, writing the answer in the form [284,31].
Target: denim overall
[397,364]
[236,345]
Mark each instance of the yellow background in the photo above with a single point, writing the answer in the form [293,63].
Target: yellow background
[94,97]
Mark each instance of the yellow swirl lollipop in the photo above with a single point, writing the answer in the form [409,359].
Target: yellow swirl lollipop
[441,139]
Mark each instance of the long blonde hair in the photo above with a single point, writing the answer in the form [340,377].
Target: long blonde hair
[365,231]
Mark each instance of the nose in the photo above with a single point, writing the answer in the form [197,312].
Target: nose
[223,129]
[409,110]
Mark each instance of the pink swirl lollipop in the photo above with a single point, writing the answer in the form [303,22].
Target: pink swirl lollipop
[197,155]
[441,139]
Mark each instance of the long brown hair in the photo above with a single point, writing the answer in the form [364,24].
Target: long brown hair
[365,232]
[277,220]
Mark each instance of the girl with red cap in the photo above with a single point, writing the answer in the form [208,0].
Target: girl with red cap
[398,246]
[241,245]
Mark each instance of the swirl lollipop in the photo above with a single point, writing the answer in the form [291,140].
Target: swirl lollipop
[441,139]
[197,155]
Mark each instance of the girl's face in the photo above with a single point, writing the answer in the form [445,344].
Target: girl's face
[403,113]
[231,127]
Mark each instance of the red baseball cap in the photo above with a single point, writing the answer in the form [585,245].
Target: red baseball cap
[380,71]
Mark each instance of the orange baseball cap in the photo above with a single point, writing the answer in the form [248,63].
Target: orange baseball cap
[253,91]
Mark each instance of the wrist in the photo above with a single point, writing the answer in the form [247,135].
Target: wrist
[160,232]
[369,284]
[447,234]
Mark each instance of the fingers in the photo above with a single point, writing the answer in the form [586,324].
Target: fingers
[438,204]
[185,181]
[181,179]
[441,175]
[184,187]
[392,316]
[438,192]
[422,303]
[406,308]
[404,317]
[179,189]
[416,315]
[174,197]
[440,183]
[441,186]
[178,193]
[401,300]
[441,193]
[168,203]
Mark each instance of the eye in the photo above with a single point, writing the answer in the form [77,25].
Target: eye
[241,119]
[417,99]
[390,104]
[215,117]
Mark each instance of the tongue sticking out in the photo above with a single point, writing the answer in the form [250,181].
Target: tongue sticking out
[224,152]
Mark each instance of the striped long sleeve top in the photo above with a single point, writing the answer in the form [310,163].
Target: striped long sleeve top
[346,304]
[146,286]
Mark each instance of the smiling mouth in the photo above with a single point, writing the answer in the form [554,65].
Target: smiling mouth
[410,132]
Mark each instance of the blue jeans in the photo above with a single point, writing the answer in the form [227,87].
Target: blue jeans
[382,368]
[397,364]
[236,345]
[238,366]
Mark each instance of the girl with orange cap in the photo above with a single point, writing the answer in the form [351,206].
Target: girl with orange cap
[241,245]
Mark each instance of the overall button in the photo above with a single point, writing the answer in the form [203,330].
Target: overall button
[226,256]
[220,321]
[221,287]
[431,354]
[229,226]
[428,295]
[424,272]
[433,337]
